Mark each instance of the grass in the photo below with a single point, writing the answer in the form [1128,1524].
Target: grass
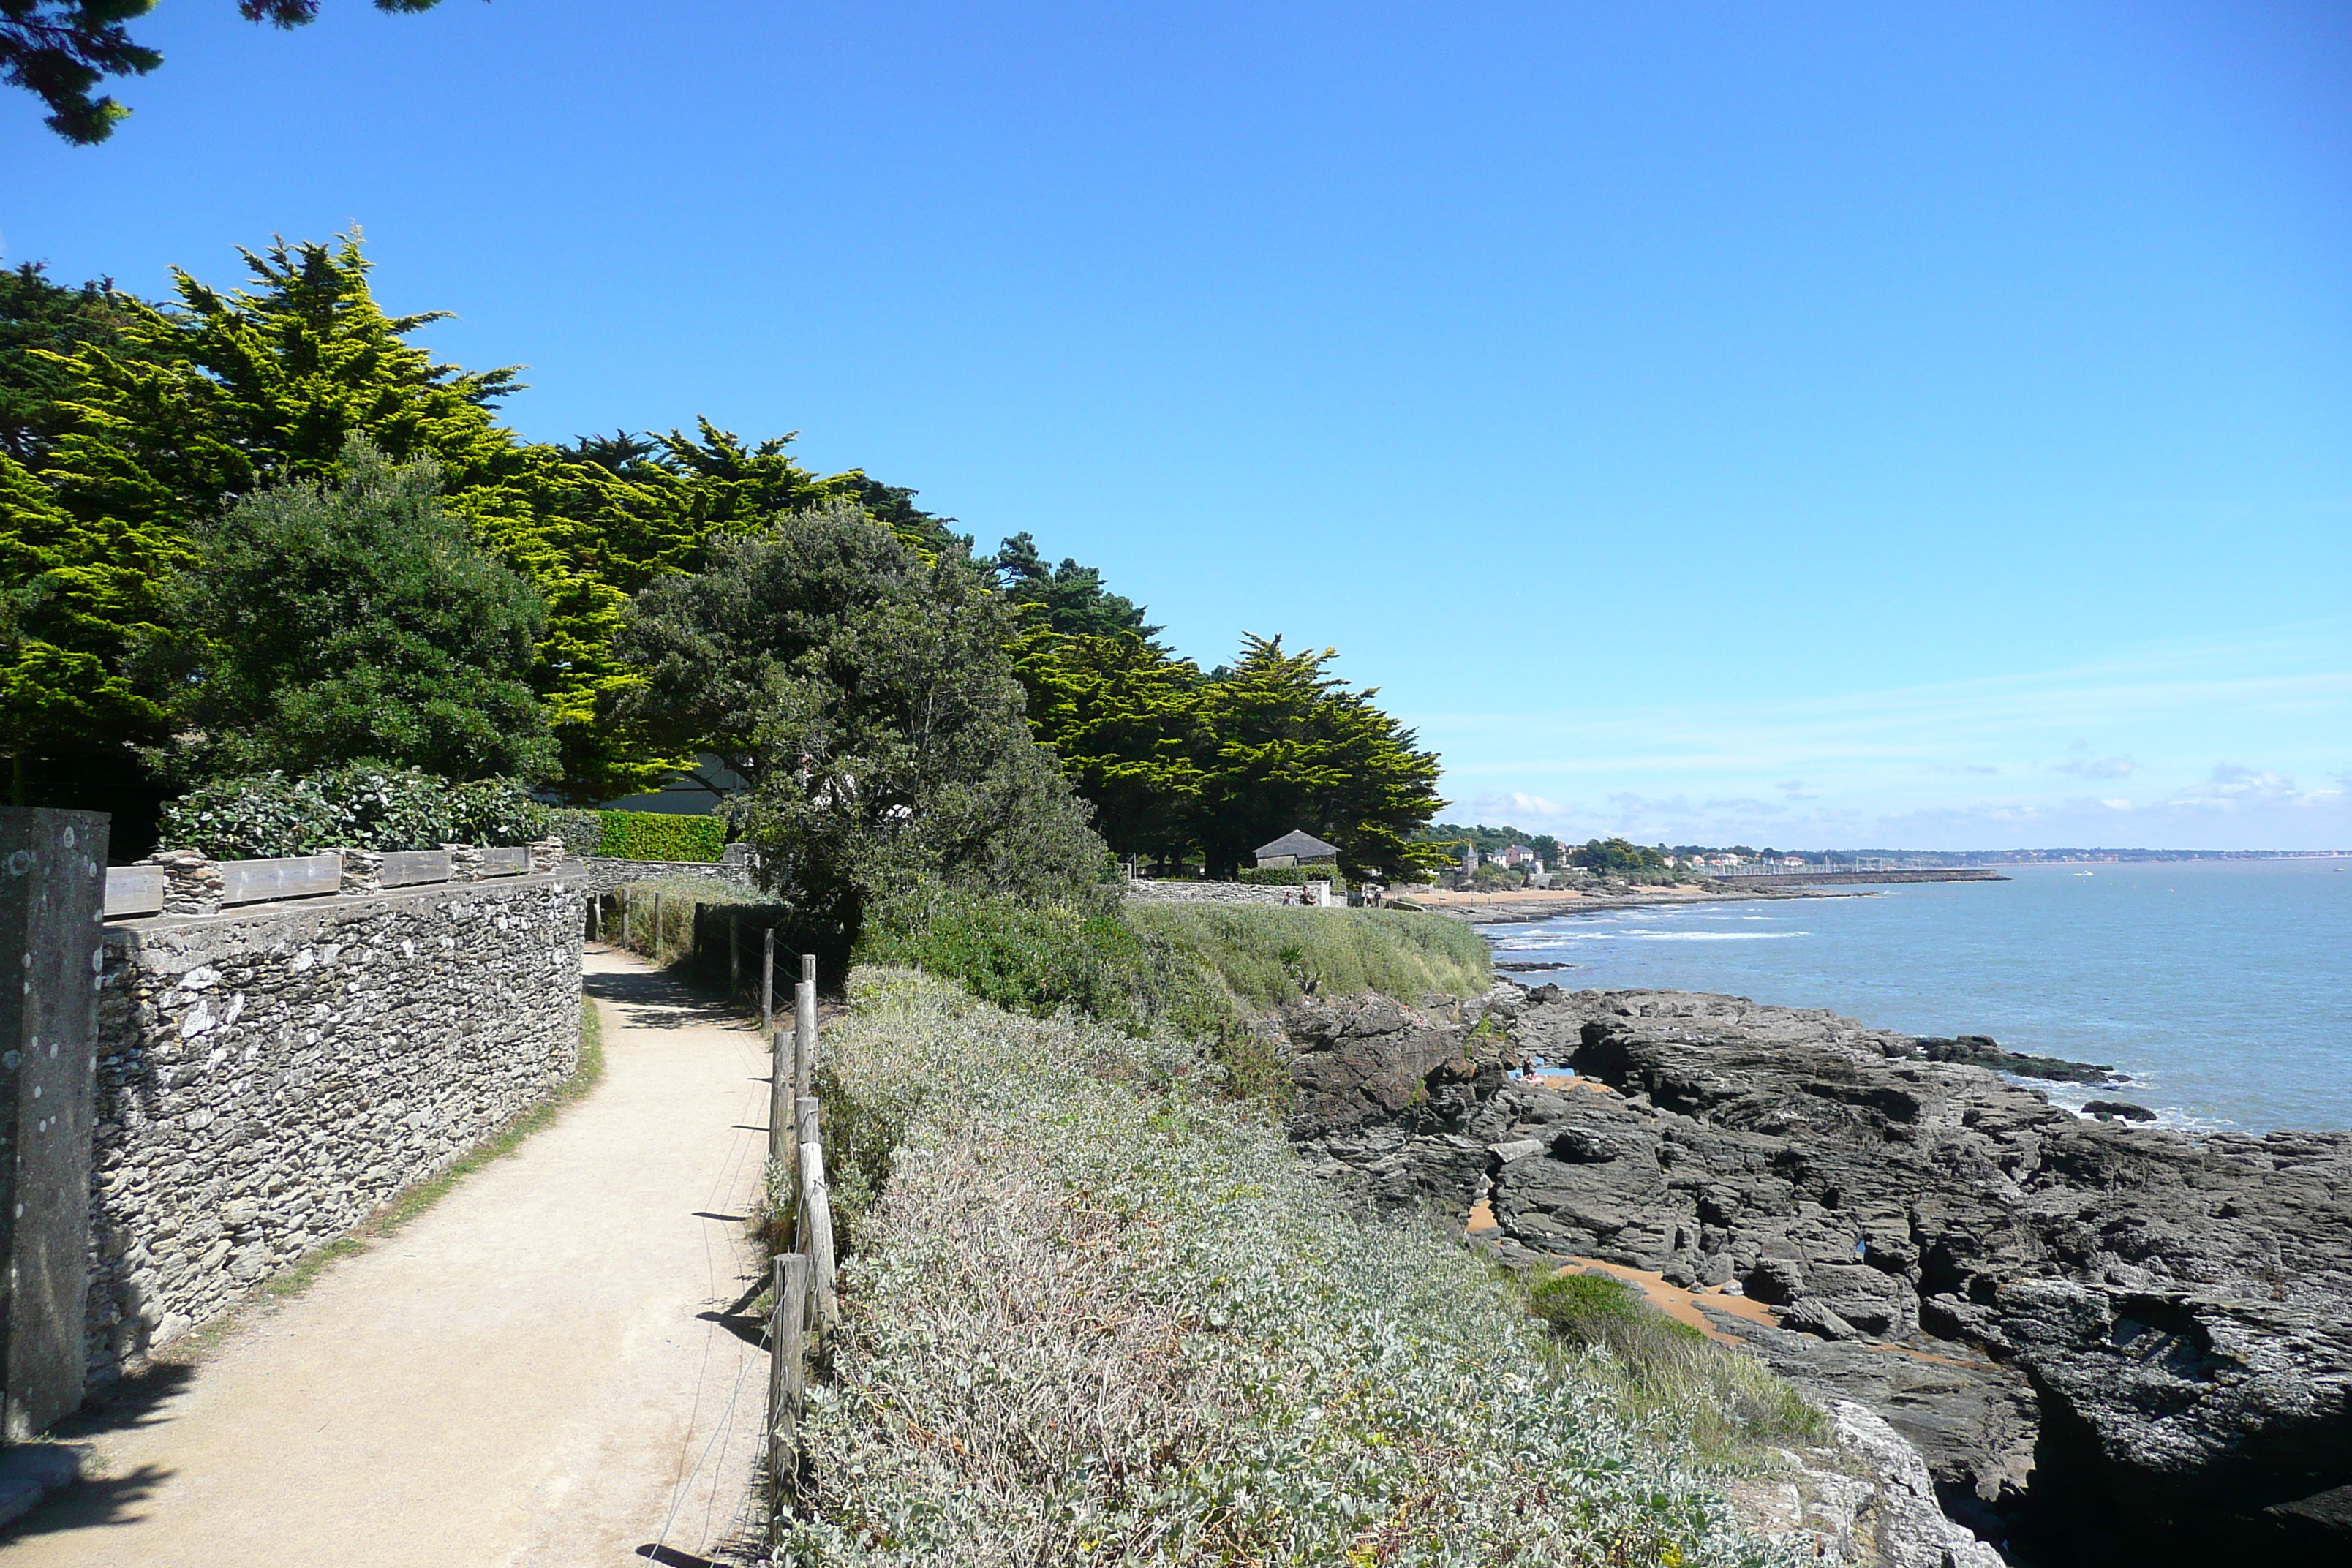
[411,1201]
[1727,1401]
[1097,1314]
[672,938]
[1265,955]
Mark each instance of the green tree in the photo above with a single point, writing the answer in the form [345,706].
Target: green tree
[867,690]
[1290,746]
[60,49]
[324,624]
[70,595]
[1124,717]
[717,646]
[176,410]
[1071,597]
[1616,855]
[38,315]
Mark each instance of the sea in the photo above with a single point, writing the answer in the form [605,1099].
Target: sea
[2223,989]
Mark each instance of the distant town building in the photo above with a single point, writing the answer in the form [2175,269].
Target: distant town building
[1297,847]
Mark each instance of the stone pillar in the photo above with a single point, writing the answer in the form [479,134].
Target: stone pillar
[362,870]
[192,883]
[52,901]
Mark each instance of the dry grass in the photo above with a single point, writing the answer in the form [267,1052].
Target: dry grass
[1267,955]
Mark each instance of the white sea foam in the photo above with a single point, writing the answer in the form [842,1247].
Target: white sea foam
[1715,935]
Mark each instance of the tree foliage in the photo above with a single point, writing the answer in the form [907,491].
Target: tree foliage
[1068,598]
[1293,747]
[1178,763]
[321,624]
[174,410]
[60,50]
[700,593]
[867,690]
[1616,855]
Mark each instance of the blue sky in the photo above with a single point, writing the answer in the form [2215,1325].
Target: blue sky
[1917,426]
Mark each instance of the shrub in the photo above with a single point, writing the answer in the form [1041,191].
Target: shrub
[1041,958]
[1097,1317]
[582,832]
[1267,955]
[362,806]
[660,836]
[1725,1398]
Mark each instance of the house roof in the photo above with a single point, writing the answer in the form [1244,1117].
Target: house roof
[1296,842]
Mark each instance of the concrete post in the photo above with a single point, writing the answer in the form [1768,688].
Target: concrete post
[52,901]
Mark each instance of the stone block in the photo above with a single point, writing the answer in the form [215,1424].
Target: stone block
[291,877]
[52,904]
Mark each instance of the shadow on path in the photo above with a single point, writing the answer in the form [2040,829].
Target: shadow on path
[653,1000]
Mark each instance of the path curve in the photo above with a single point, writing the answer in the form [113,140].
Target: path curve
[533,1373]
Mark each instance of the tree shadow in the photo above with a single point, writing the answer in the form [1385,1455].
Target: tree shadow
[136,1400]
[650,999]
[90,1504]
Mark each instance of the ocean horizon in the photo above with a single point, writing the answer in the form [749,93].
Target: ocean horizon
[2221,989]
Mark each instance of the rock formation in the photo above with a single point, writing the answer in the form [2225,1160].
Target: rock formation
[2108,1341]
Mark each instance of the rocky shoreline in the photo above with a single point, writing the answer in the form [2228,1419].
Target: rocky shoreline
[2109,1342]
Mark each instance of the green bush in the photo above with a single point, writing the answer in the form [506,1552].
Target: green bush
[1041,958]
[582,832]
[1725,1398]
[361,807]
[1267,955]
[660,836]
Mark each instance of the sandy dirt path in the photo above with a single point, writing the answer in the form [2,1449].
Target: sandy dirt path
[535,1370]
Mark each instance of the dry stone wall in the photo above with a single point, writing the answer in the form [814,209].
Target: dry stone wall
[739,869]
[268,1076]
[1145,889]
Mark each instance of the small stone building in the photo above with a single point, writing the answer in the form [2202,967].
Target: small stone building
[1297,848]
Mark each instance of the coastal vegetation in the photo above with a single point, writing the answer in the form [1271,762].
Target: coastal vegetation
[1099,1312]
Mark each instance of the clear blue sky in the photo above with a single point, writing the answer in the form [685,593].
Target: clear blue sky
[1870,425]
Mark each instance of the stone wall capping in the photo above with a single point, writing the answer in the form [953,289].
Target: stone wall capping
[188,882]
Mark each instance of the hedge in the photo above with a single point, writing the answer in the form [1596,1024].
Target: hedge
[660,836]
[362,806]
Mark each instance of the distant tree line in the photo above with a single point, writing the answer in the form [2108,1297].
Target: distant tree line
[259,530]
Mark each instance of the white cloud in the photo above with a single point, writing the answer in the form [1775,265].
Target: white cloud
[2098,767]
[1902,767]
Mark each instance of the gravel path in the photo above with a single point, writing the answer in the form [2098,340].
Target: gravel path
[536,1371]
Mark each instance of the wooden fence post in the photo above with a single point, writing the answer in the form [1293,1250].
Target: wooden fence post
[780,1141]
[805,1027]
[768,981]
[629,917]
[785,1371]
[816,1209]
[653,948]
[595,916]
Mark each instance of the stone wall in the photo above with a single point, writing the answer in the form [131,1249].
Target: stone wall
[1145,888]
[739,869]
[268,1076]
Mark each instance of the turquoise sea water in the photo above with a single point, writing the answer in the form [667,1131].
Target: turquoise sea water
[2224,988]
